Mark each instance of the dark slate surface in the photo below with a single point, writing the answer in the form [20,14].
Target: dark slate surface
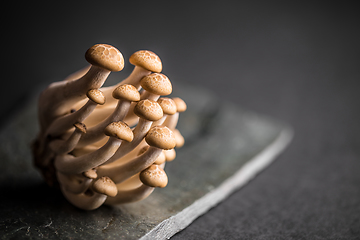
[220,139]
[294,61]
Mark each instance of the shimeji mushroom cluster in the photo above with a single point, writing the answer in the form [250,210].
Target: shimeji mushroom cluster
[108,145]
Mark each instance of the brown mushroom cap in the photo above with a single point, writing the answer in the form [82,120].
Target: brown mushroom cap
[180,104]
[105,56]
[127,92]
[96,96]
[105,185]
[146,59]
[161,137]
[156,83]
[80,126]
[148,109]
[120,130]
[168,105]
[154,176]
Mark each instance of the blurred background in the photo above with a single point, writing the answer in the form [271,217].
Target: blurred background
[296,62]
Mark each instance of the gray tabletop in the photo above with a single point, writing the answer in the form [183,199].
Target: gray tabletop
[294,62]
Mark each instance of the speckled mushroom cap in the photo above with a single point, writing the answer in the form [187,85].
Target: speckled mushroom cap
[147,60]
[96,96]
[161,137]
[168,105]
[127,92]
[105,185]
[180,104]
[148,109]
[154,176]
[119,130]
[105,56]
[156,83]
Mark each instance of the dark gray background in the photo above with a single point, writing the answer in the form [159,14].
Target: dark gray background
[297,62]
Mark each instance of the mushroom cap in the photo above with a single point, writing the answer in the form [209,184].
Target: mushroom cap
[180,104]
[96,96]
[126,92]
[154,176]
[149,110]
[105,56]
[156,83]
[161,137]
[119,130]
[91,173]
[168,105]
[147,60]
[106,186]
[80,126]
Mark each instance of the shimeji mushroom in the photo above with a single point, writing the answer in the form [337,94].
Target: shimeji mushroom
[169,108]
[60,97]
[93,197]
[125,94]
[64,123]
[155,84]
[60,146]
[85,143]
[172,120]
[145,62]
[148,111]
[159,138]
[154,176]
[117,131]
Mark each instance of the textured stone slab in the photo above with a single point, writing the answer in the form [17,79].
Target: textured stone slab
[225,148]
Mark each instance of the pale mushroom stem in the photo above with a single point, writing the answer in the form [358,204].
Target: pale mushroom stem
[73,183]
[60,146]
[84,200]
[78,74]
[128,196]
[70,164]
[59,97]
[171,121]
[64,123]
[148,95]
[96,133]
[121,172]
[139,133]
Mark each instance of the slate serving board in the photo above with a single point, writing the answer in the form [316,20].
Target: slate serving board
[225,147]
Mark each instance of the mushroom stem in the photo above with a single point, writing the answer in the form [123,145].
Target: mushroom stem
[121,172]
[70,164]
[64,123]
[96,133]
[88,201]
[73,183]
[59,97]
[78,74]
[133,195]
[134,79]
[139,133]
[65,146]
[171,121]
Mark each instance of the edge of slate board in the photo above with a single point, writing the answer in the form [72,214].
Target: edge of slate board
[184,218]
